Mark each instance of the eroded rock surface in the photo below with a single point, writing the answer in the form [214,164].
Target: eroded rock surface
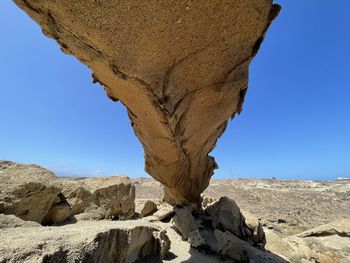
[180,68]
[27,191]
[34,193]
[112,196]
[103,241]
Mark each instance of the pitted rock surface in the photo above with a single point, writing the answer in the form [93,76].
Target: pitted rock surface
[179,67]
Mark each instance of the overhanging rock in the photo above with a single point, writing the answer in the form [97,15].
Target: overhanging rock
[179,67]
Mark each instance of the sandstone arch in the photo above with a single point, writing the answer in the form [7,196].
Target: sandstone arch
[179,67]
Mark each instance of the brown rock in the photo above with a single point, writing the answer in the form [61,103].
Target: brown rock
[149,208]
[180,68]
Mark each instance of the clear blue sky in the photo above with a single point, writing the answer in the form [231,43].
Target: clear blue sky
[295,123]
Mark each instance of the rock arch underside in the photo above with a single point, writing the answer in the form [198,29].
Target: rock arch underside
[179,67]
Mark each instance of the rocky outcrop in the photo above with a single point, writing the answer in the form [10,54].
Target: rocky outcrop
[103,241]
[27,191]
[221,229]
[113,197]
[33,193]
[180,68]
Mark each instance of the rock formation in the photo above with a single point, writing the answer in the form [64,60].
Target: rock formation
[114,196]
[107,242]
[180,68]
[27,191]
[33,193]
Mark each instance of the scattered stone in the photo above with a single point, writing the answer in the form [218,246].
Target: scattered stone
[148,209]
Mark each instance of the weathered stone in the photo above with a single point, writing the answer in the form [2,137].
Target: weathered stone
[329,243]
[236,250]
[149,208]
[26,191]
[114,195]
[59,212]
[226,216]
[256,231]
[180,68]
[103,241]
[165,211]
[187,226]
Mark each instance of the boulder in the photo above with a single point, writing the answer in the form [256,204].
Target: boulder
[329,243]
[114,195]
[148,209]
[255,230]
[101,241]
[165,212]
[186,225]
[180,68]
[233,249]
[26,191]
[59,211]
[226,216]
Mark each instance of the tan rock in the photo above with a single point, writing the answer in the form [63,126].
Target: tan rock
[149,208]
[180,68]
[85,241]
[257,234]
[59,211]
[237,250]
[165,211]
[328,243]
[26,191]
[114,195]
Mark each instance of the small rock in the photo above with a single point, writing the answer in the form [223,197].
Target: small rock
[165,212]
[148,209]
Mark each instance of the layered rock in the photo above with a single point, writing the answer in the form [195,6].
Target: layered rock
[180,68]
[107,197]
[122,241]
[27,191]
[33,193]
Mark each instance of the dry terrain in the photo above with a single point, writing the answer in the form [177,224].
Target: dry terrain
[287,206]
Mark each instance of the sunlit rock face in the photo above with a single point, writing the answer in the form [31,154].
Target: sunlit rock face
[179,67]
